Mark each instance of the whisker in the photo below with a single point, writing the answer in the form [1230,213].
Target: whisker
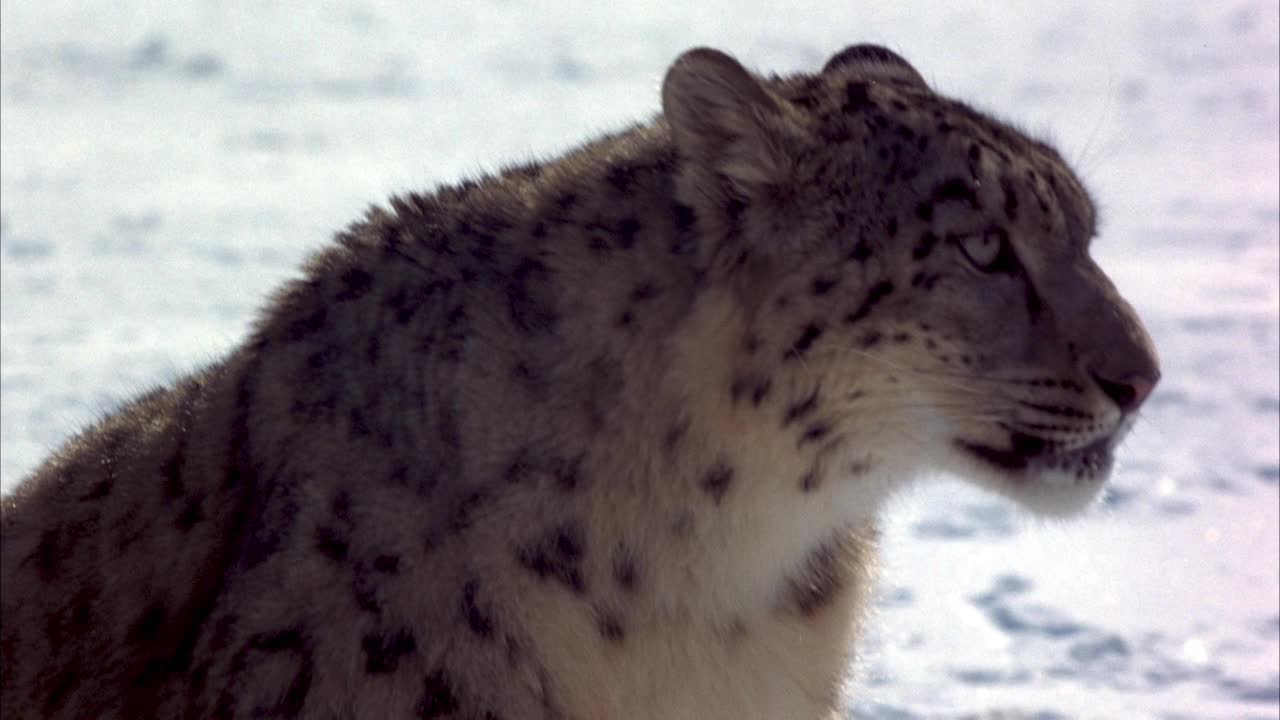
[931,372]
[899,367]
[989,386]
[984,378]
[1145,423]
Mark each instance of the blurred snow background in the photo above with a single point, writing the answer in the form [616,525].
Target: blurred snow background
[164,165]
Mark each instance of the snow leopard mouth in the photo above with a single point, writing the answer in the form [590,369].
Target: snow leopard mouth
[1031,454]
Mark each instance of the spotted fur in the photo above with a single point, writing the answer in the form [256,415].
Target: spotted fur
[603,436]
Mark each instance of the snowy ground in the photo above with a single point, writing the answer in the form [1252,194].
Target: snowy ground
[163,167]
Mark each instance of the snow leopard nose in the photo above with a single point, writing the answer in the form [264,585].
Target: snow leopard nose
[1128,393]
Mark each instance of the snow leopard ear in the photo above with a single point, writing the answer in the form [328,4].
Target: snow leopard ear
[875,63]
[722,118]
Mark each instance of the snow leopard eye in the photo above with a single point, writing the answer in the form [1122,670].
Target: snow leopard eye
[988,251]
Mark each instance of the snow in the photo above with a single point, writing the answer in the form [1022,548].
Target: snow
[164,165]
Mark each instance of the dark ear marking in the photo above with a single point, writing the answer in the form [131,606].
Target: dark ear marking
[875,62]
[721,116]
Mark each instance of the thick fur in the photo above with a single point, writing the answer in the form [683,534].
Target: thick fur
[598,437]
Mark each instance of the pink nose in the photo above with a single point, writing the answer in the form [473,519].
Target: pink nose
[1130,393]
[1142,388]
